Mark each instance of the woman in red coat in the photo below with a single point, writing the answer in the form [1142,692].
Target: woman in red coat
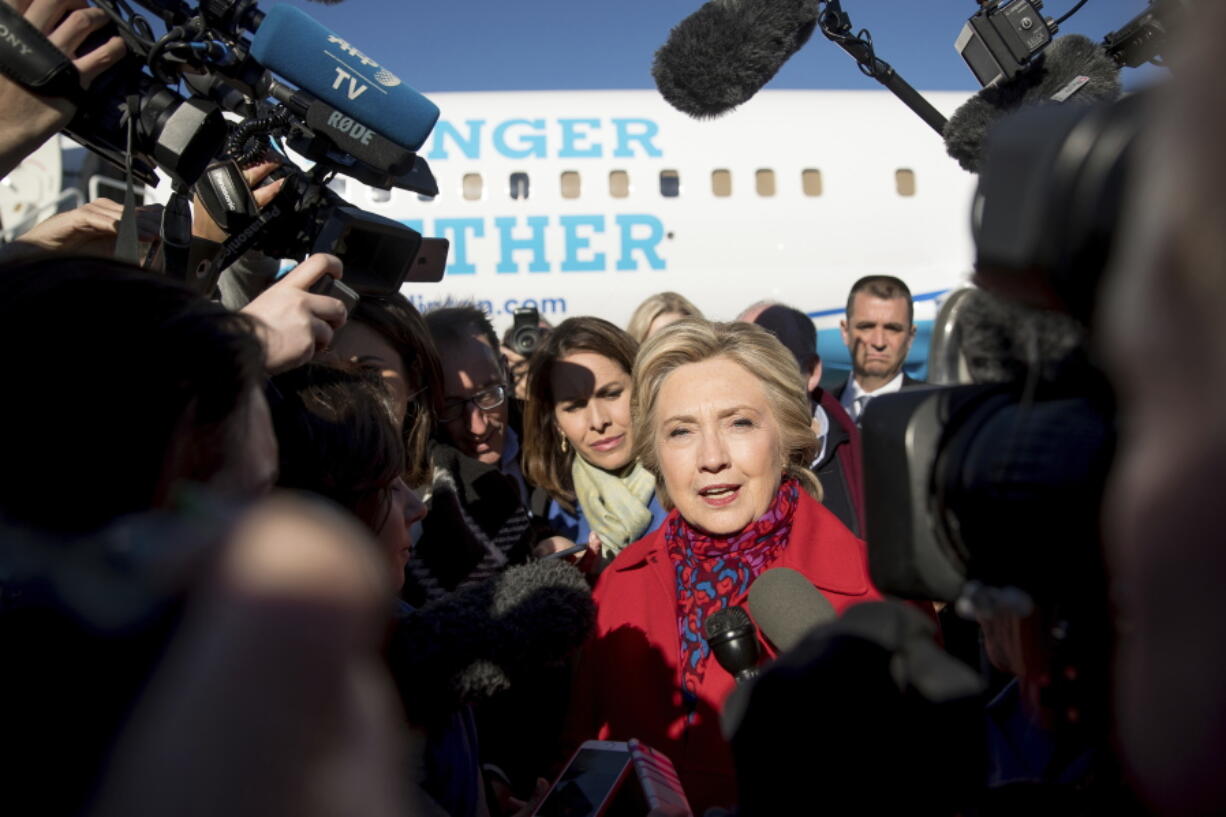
[721,418]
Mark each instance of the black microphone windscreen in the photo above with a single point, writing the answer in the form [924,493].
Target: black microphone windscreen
[787,606]
[726,620]
[722,54]
[1053,77]
[473,644]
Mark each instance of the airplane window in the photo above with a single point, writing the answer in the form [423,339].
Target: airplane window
[765,182]
[811,182]
[472,186]
[670,183]
[570,184]
[904,181]
[721,183]
[619,184]
[380,195]
[519,185]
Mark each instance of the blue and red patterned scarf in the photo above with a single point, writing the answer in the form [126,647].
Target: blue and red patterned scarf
[713,570]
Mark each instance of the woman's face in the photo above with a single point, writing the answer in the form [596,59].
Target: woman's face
[718,445]
[358,343]
[391,515]
[591,405]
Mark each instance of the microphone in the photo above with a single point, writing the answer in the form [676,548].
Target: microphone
[1073,69]
[787,607]
[288,42]
[479,641]
[734,641]
[722,54]
[347,134]
[876,679]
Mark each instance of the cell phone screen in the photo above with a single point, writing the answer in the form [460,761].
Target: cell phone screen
[585,786]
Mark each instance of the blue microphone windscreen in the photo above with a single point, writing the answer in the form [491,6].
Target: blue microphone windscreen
[290,43]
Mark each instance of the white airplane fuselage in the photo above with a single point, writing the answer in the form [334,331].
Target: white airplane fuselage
[557,200]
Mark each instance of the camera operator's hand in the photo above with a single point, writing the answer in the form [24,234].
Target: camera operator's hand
[296,324]
[91,228]
[203,225]
[27,120]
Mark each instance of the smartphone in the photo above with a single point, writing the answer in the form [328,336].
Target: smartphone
[613,779]
[562,554]
[430,263]
[590,781]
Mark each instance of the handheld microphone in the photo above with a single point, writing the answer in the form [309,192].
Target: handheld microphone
[787,607]
[722,54]
[876,679]
[1072,69]
[734,641]
[475,643]
[288,42]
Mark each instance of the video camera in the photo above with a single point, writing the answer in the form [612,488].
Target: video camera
[348,114]
[1001,39]
[1001,483]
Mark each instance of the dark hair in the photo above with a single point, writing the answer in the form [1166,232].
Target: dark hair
[884,287]
[109,367]
[794,329]
[451,324]
[544,463]
[336,434]
[401,325]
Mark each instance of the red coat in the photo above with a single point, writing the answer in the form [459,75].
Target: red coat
[629,683]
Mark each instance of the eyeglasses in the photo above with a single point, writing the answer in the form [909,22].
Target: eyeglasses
[486,400]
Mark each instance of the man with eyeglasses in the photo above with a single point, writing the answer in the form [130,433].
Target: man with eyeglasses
[475,413]
[479,522]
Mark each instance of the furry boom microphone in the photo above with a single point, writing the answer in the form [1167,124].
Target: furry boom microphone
[478,641]
[722,54]
[1073,69]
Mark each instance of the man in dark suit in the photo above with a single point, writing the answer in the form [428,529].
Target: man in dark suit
[838,460]
[878,330]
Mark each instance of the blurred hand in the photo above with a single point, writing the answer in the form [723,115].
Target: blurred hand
[296,324]
[272,696]
[26,120]
[589,562]
[524,808]
[91,228]
[203,225]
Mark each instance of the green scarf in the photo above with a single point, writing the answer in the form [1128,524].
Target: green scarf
[615,507]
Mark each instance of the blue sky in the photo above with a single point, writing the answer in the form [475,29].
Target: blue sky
[497,45]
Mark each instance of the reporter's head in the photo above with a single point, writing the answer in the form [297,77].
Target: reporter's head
[121,386]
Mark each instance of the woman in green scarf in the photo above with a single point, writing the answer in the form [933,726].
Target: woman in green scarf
[578,440]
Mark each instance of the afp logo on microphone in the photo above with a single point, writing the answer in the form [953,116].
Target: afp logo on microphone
[356,76]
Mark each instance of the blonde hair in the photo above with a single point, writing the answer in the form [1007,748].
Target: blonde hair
[656,305]
[757,351]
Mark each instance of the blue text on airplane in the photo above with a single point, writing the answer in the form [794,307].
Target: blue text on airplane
[541,139]
[589,243]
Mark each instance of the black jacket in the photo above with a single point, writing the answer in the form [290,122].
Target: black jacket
[477,526]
